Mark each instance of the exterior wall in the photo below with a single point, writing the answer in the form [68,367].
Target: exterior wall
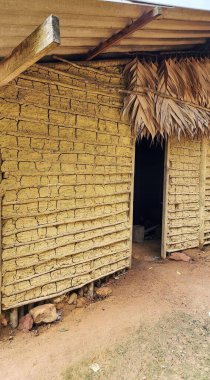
[183,215]
[206,234]
[66,188]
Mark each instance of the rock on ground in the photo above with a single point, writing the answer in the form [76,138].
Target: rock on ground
[60,305]
[4,322]
[179,256]
[60,299]
[82,302]
[104,292]
[72,299]
[44,313]
[26,323]
[4,319]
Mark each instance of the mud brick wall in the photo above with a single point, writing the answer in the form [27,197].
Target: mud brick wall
[206,237]
[67,174]
[183,198]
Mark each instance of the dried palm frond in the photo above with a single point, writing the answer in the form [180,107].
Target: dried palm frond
[140,108]
[171,99]
[176,118]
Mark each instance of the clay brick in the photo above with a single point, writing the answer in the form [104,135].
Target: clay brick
[103,138]
[8,125]
[110,112]
[9,265]
[33,128]
[9,108]
[86,158]
[64,284]
[59,117]
[68,158]
[31,111]
[32,293]
[9,166]
[124,129]
[85,136]
[28,193]
[48,289]
[40,167]
[86,121]
[29,96]
[8,141]
[66,132]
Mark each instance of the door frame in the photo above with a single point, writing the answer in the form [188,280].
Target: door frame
[165,200]
[0,238]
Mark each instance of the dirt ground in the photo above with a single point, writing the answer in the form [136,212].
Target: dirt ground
[155,325]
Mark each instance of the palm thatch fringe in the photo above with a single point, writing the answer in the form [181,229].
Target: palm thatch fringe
[162,98]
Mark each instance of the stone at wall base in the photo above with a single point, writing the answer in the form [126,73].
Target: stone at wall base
[103,292]
[44,313]
[72,299]
[179,256]
[82,302]
[26,323]
[4,322]
[61,299]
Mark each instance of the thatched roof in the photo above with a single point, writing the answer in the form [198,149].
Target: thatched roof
[169,98]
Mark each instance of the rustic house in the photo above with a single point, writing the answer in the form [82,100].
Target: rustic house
[69,130]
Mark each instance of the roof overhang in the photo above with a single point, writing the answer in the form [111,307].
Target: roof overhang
[191,4]
[86,24]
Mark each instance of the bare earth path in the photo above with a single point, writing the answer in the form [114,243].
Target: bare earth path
[155,301]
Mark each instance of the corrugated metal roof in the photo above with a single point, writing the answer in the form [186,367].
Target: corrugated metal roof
[86,23]
[192,4]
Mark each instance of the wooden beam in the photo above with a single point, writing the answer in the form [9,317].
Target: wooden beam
[202,190]
[128,30]
[34,47]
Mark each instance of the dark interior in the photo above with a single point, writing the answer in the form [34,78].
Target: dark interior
[148,187]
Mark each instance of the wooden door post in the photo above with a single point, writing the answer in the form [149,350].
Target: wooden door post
[0,238]
[165,200]
[202,188]
[131,200]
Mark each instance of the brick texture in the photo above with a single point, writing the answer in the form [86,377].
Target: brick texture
[67,170]
[183,218]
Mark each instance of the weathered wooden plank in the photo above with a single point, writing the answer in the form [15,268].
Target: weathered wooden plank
[75,7]
[170,24]
[34,47]
[128,30]
[177,13]
[0,236]
[18,18]
[161,41]
[13,32]
[165,201]
[139,48]
[131,201]
[100,8]
[83,49]
[132,41]
[202,184]
[174,34]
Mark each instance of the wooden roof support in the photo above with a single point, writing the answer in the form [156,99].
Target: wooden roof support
[125,32]
[34,47]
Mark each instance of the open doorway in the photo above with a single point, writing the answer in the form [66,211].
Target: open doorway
[148,195]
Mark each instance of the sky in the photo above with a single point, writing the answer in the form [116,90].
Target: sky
[196,4]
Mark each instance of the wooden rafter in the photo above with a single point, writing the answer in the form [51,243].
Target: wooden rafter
[34,47]
[125,32]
